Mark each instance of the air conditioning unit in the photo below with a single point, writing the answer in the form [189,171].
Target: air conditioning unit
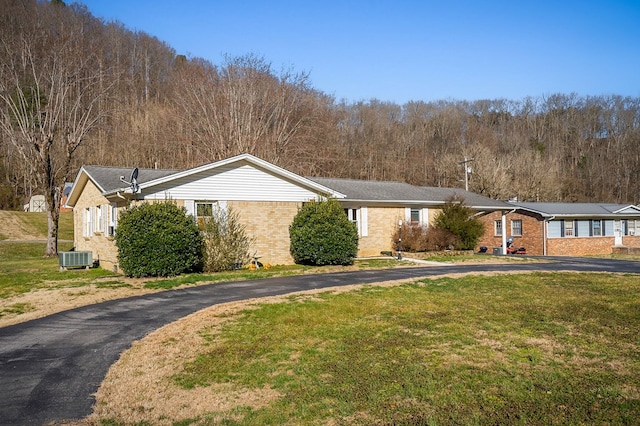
[75,259]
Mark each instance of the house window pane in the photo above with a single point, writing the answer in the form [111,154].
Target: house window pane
[415,215]
[516,228]
[596,226]
[204,210]
[498,228]
[568,228]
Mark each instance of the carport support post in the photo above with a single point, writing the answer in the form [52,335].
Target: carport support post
[400,240]
[504,232]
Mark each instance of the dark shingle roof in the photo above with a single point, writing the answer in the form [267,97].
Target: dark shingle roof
[378,191]
[572,209]
[108,178]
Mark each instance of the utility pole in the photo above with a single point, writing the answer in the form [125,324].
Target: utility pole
[467,171]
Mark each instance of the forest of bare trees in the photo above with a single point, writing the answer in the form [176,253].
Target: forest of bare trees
[85,91]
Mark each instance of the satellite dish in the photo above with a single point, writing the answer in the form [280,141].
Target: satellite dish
[133,181]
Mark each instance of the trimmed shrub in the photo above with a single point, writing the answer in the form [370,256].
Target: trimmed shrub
[158,240]
[419,238]
[458,219]
[321,234]
[226,244]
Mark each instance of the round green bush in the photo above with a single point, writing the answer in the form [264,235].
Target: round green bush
[321,234]
[158,240]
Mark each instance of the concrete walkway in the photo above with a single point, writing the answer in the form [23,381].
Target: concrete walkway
[50,368]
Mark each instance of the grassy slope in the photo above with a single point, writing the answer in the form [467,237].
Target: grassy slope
[32,226]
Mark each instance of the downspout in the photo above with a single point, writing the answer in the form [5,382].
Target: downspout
[545,226]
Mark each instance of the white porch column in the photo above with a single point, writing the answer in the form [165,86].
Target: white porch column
[504,232]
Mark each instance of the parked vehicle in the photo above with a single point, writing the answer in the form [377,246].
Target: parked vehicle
[511,249]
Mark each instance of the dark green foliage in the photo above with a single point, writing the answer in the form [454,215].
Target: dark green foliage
[158,240]
[458,219]
[321,234]
[226,244]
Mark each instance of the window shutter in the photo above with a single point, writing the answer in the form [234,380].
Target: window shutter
[425,217]
[105,218]
[364,222]
[407,214]
[190,206]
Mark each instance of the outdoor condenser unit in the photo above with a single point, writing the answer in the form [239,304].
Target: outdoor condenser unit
[74,259]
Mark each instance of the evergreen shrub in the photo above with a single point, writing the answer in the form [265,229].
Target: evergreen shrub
[459,219]
[321,234]
[158,239]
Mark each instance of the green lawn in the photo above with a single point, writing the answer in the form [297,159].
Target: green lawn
[541,348]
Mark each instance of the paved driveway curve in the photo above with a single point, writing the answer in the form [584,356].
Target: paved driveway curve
[51,367]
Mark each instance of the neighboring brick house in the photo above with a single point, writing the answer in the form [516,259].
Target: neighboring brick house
[566,229]
[265,196]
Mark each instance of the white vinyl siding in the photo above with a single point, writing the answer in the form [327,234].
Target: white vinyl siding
[607,228]
[245,183]
[554,229]
[583,228]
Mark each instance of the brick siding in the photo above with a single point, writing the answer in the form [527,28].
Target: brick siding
[102,246]
[382,224]
[268,222]
[533,237]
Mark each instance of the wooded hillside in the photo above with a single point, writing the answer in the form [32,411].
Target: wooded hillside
[125,98]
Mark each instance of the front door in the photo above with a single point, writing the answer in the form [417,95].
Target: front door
[617,232]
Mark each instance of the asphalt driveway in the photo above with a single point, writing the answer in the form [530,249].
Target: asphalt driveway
[51,367]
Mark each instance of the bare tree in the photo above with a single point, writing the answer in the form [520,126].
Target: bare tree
[49,89]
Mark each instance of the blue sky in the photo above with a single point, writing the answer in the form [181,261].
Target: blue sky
[403,50]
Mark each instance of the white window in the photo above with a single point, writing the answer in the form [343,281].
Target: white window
[352,215]
[516,228]
[205,210]
[568,228]
[596,228]
[414,216]
[358,217]
[498,228]
[87,221]
[113,220]
[99,221]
